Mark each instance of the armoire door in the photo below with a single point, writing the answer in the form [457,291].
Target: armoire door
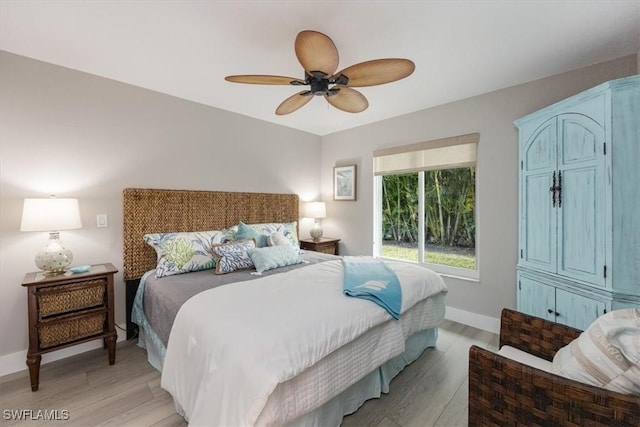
[577,311]
[538,214]
[581,199]
[536,298]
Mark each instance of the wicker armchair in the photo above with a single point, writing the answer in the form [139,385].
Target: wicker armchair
[503,392]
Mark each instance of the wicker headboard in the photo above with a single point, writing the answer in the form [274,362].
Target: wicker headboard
[162,211]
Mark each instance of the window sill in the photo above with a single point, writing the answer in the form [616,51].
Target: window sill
[445,271]
[458,277]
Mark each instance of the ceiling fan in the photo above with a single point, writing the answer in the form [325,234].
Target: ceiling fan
[319,57]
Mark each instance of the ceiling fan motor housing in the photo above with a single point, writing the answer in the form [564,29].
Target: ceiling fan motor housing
[320,82]
[319,85]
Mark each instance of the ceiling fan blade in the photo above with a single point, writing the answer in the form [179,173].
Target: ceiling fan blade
[349,100]
[294,102]
[377,72]
[263,79]
[316,52]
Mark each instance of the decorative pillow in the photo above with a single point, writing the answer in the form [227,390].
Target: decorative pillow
[606,355]
[180,253]
[246,232]
[273,257]
[288,229]
[277,238]
[233,256]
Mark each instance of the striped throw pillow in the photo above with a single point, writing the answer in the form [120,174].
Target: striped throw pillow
[606,355]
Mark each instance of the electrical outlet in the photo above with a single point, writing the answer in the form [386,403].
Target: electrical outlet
[101,220]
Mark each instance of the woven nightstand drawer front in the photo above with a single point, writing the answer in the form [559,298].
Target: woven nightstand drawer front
[327,249]
[69,298]
[71,329]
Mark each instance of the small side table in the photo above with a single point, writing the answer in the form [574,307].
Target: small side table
[325,245]
[69,309]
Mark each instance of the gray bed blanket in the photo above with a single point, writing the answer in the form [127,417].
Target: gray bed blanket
[163,297]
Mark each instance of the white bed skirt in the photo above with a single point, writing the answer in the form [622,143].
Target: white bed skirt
[370,387]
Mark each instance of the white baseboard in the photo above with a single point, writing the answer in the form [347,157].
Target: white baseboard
[16,362]
[480,321]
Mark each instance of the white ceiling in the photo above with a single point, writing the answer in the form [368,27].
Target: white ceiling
[185,48]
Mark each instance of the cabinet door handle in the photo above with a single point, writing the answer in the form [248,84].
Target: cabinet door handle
[559,189]
[556,189]
[553,189]
[550,311]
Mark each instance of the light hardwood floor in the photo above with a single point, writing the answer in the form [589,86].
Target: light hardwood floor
[432,391]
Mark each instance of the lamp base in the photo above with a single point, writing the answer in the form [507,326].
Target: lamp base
[55,257]
[316,232]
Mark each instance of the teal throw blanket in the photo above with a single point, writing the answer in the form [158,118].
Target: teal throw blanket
[372,279]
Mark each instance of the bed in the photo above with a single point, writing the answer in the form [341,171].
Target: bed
[247,350]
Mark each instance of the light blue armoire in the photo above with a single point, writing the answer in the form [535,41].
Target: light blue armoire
[579,205]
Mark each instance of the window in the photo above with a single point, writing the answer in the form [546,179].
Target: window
[425,204]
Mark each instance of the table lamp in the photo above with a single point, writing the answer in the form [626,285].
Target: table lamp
[315,210]
[51,215]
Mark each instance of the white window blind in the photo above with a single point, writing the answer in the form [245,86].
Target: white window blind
[446,153]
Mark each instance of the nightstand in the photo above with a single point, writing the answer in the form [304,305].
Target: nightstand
[69,309]
[325,245]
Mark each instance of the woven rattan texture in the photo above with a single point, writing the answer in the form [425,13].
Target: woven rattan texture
[71,329]
[503,392]
[72,297]
[534,335]
[163,211]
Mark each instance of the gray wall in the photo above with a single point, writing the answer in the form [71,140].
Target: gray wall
[77,135]
[491,115]
[73,134]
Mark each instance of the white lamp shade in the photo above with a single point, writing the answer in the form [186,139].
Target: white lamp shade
[50,215]
[315,210]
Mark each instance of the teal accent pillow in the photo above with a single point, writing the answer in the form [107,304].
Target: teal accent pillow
[271,257]
[184,252]
[288,229]
[246,232]
[233,256]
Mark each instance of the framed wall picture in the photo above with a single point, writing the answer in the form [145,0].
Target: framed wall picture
[344,182]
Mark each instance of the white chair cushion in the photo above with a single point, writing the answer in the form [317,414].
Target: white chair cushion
[525,358]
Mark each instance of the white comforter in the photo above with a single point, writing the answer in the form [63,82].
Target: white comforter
[231,346]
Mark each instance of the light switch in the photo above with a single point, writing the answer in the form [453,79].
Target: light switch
[101,220]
